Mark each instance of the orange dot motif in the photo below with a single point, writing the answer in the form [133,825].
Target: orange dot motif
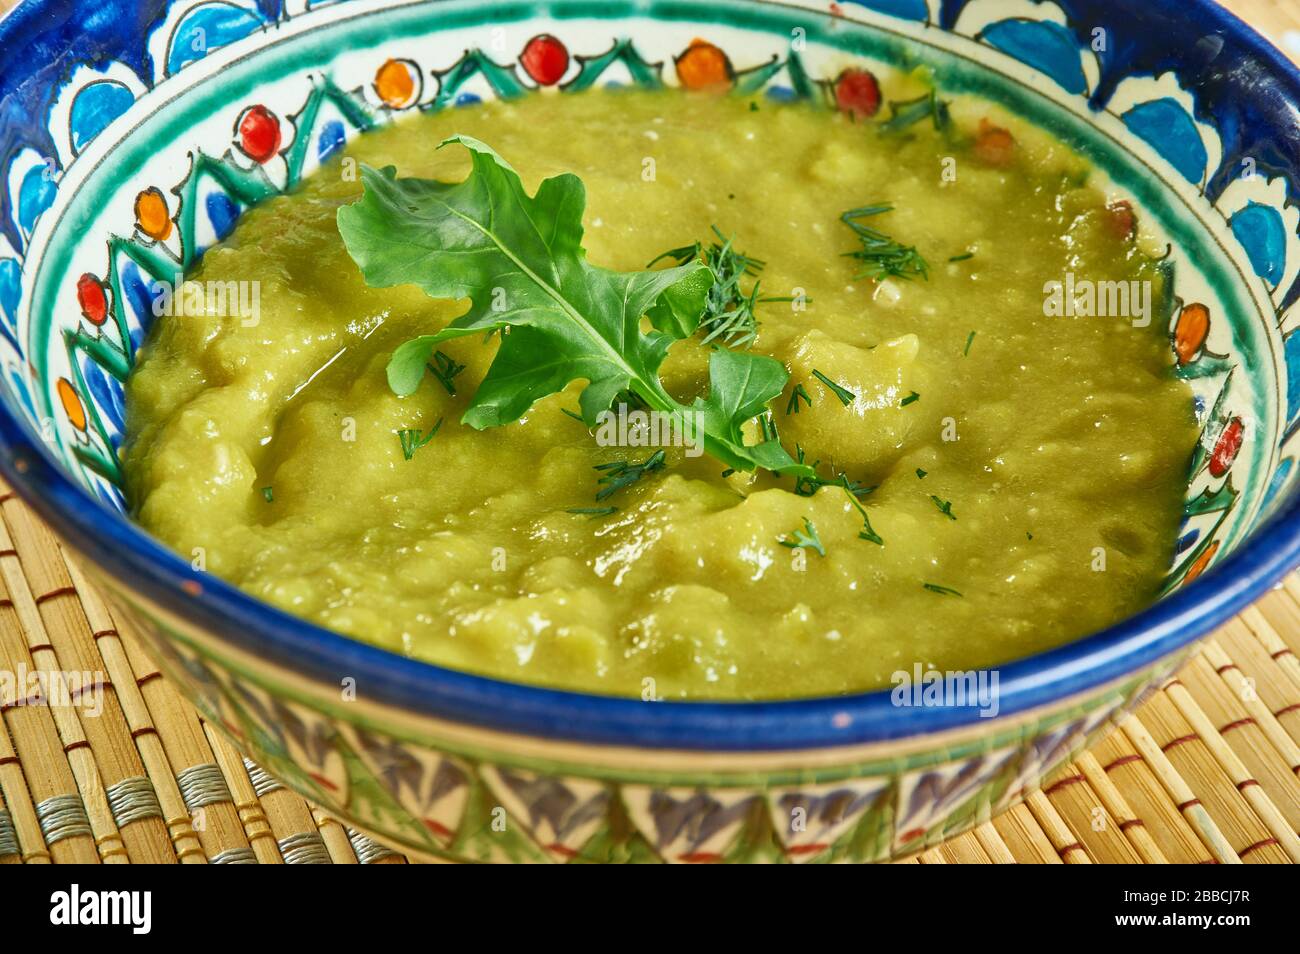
[151,214]
[72,405]
[1190,332]
[397,83]
[1197,568]
[703,66]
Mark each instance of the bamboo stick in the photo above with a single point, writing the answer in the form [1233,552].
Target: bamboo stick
[1173,835]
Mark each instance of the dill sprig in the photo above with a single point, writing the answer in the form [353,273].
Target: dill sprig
[807,486]
[882,256]
[906,113]
[941,590]
[799,393]
[805,539]
[846,396]
[621,473]
[945,507]
[445,368]
[910,399]
[867,532]
[412,440]
[729,312]
[593,511]
[853,489]
[969,341]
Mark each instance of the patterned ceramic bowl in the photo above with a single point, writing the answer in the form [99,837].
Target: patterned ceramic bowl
[133,136]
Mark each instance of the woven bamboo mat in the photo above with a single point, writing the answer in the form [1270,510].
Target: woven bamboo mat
[1207,771]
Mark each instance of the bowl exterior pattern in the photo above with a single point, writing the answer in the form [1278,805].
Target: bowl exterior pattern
[446,798]
[97,205]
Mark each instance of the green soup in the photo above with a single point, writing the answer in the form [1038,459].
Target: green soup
[1027,466]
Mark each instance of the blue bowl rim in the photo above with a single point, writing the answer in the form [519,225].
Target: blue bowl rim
[125,552]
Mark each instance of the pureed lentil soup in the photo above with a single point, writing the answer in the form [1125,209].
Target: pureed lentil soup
[1027,468]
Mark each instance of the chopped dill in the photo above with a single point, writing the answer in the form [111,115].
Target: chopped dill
[807,486]
[881,256]
[867,532]
[593,511]
[910,399]
[846,396]
[269,494]
[621,473]
[941,590]
[445,368]
[805,539]
[969,339]
[729,312]
[768,423]
[799,393]
[906,113]
[945,507]
[412,440]
[921,474]
[964,256]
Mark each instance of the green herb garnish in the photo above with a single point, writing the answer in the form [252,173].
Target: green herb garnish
[412,441]
[444,368]
[806,486]
[805,539]
[729,313]
[962,257]
[945,507]
[519,260]
[799,393]
[882,256]
[846,396]
[921,474]
[908,112]
[593,511]
[910,399]
[942,590]
[620,473]
[577,417]
[269,494]
[866,533]
[969,338]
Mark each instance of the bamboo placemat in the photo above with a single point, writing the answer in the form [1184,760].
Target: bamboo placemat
[1207,771]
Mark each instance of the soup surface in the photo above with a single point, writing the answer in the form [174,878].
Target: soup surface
[1027,468]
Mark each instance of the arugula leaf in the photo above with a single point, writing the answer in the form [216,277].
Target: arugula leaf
[519,260]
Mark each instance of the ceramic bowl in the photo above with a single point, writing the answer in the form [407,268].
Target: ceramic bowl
[132,137]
